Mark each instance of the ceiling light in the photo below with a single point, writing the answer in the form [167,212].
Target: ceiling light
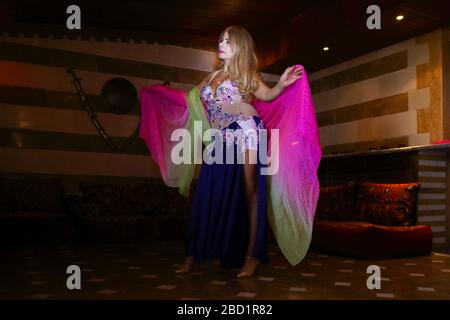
[399,17]
[326,48]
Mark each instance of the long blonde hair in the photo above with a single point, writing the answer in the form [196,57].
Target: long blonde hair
[243,66]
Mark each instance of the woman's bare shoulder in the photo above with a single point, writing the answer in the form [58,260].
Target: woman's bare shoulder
[207,79]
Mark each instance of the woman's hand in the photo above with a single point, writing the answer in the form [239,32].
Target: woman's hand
[290,75]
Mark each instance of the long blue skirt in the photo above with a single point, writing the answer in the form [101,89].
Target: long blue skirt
[219,221]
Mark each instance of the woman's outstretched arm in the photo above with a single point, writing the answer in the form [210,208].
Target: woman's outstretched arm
[290,75]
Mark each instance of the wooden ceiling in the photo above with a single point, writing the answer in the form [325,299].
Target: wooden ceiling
[285,31]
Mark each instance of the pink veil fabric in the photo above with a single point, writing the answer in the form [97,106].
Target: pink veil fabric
[293,190]
[164,110]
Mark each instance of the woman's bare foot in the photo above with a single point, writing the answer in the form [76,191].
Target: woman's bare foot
[249,267]
[187,266]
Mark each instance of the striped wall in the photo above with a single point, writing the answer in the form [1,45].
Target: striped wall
[446,116]
[44,129]
[446,82]
[432,204]
[388,98]
[394,97]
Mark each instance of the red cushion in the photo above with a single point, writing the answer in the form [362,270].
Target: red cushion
[369,241]
[336,202]
[388,204]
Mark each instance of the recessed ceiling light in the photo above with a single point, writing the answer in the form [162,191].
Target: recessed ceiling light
[326,48]
[400,17]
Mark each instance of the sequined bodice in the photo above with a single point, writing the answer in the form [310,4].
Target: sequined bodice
[216,105]
[227,92]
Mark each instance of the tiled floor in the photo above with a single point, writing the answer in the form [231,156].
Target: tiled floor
[147,272]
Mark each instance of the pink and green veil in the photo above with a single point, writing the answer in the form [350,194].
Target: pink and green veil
[293,190]
[163,110]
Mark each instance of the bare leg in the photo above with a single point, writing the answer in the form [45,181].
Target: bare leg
[187,266]
[251,194]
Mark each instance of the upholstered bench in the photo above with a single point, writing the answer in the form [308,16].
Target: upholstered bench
[121,213]
[33,211]
[370,241]
[370,220]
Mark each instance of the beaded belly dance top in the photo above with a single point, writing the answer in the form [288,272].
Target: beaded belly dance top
[218,110]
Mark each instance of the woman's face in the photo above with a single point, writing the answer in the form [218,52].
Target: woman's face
[224,50]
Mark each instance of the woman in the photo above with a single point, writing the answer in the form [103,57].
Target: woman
[229,209]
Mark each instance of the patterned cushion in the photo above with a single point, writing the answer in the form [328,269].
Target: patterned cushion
[337,202]
[388,204]
[32,195]
[150,198]
[153,198]
[102,199]
[140,198]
